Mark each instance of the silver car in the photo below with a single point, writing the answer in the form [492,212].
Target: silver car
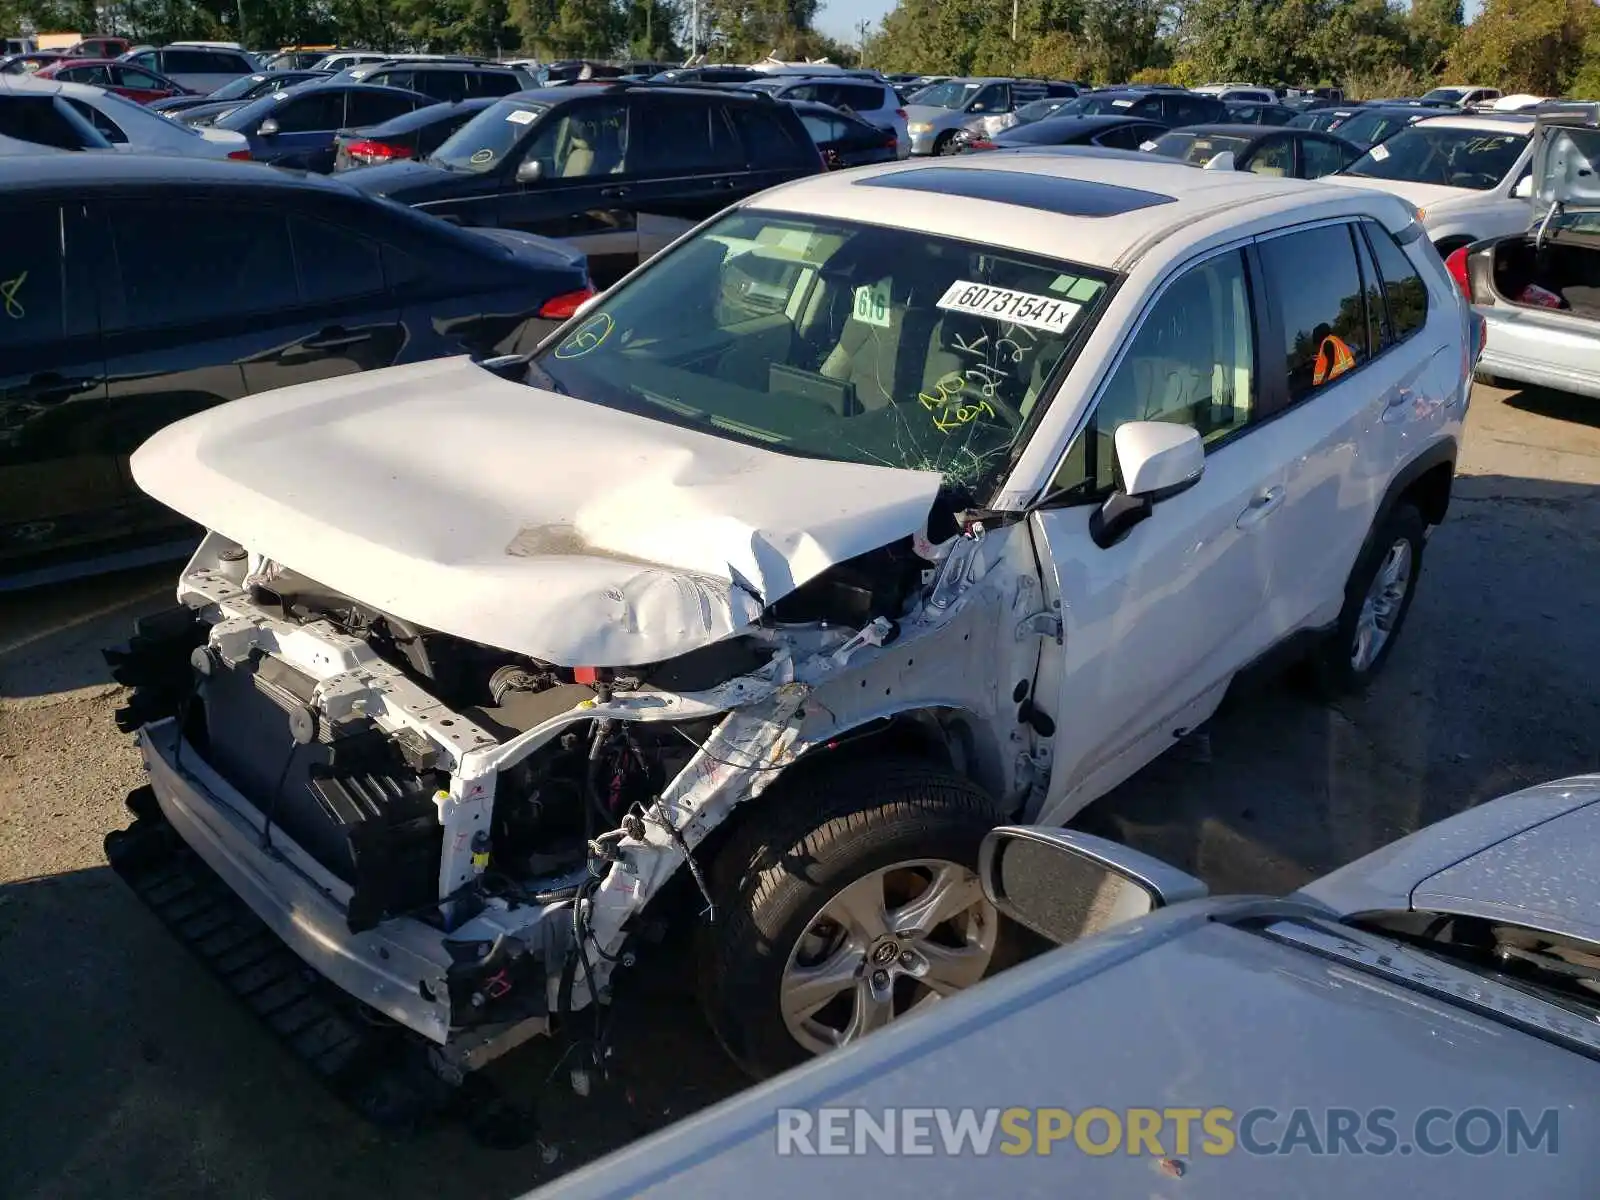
[1421,1022]
[1539,291]
[982,105]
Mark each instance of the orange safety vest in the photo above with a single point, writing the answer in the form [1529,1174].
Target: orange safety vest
[1334,358]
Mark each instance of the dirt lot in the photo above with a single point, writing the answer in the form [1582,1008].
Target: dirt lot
[129,1072]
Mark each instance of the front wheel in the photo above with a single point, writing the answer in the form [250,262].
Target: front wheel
[848,900]
[1376,601]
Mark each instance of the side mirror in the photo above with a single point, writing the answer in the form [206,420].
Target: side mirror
[1065,885]
[530,171]
[268,127]
[1156,460]
[1524,188]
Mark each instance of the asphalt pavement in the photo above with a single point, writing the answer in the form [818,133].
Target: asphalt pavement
[128,1071]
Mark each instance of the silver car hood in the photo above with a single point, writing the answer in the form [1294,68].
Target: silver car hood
[538,523]
[1206,1017]
[1527,858]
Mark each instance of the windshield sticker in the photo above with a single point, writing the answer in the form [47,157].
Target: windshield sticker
[8,293]
[1379,153]
[520,116]
[1147,145]
[585,337]
[481,156]
[1019,308]
[872,304]
[1122,104]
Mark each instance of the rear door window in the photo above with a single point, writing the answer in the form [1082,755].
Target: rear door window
[995,98]
[858,96]
[96,76]
[334,263]
[1405,293]
[492,83]
[1313,280]
[32,287]
[372,108]
[134,78]
[768,143]
[103,125]
[236,260]
[676,137]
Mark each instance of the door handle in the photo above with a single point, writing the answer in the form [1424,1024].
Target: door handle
[612,193]
[723,184]
[328,339]
[1261,507]
[50,388]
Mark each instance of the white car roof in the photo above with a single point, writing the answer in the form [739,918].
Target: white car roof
[1498,123]
[1100,209]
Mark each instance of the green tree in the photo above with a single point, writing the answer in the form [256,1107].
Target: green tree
[1433,26]
[1533,46]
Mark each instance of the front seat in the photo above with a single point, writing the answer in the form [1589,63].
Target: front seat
[885,357]
[580,157]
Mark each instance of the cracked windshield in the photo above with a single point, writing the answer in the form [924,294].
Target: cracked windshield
[837,340]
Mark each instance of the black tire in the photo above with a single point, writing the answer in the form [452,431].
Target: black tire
[810,836]
[1333,670]
[941,144]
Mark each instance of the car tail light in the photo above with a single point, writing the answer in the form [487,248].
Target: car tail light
[901,113]
[1456,264]
[891,142]
[371,152]
[239,155]
[559,308]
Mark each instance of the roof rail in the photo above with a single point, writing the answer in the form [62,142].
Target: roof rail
[726,89]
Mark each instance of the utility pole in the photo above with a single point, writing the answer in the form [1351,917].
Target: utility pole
[1013,20]
[694,30]
[861,29]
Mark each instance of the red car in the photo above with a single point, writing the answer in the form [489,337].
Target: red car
[136,83]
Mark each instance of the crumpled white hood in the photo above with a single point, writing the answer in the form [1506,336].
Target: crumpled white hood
[516,517]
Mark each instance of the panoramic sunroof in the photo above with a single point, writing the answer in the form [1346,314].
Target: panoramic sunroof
[1047,193]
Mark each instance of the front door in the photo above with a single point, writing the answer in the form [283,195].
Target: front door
[60,488]
[1154,626]
[585,191]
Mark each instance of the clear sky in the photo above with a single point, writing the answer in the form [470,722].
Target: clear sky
[841,18]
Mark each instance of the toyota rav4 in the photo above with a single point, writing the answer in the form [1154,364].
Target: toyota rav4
[882,508]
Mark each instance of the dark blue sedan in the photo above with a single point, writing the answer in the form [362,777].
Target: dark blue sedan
[298,128]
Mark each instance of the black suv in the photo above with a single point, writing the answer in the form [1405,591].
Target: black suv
[615,170]
[445,81]
[138,289]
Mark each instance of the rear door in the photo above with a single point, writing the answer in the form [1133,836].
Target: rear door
[1131,136]
[60,487]
[1352,372]
[225,316]
[586,192]
[689,164]
[775,150]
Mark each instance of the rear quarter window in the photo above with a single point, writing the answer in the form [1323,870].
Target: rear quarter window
[769,141]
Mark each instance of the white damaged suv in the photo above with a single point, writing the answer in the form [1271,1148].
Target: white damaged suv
[882,508]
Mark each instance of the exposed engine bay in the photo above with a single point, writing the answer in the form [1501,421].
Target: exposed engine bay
[465,838]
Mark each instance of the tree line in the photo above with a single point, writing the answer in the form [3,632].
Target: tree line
[1368,47]
[729,30]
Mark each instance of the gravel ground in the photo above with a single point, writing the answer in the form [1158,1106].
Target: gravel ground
[131,1073]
